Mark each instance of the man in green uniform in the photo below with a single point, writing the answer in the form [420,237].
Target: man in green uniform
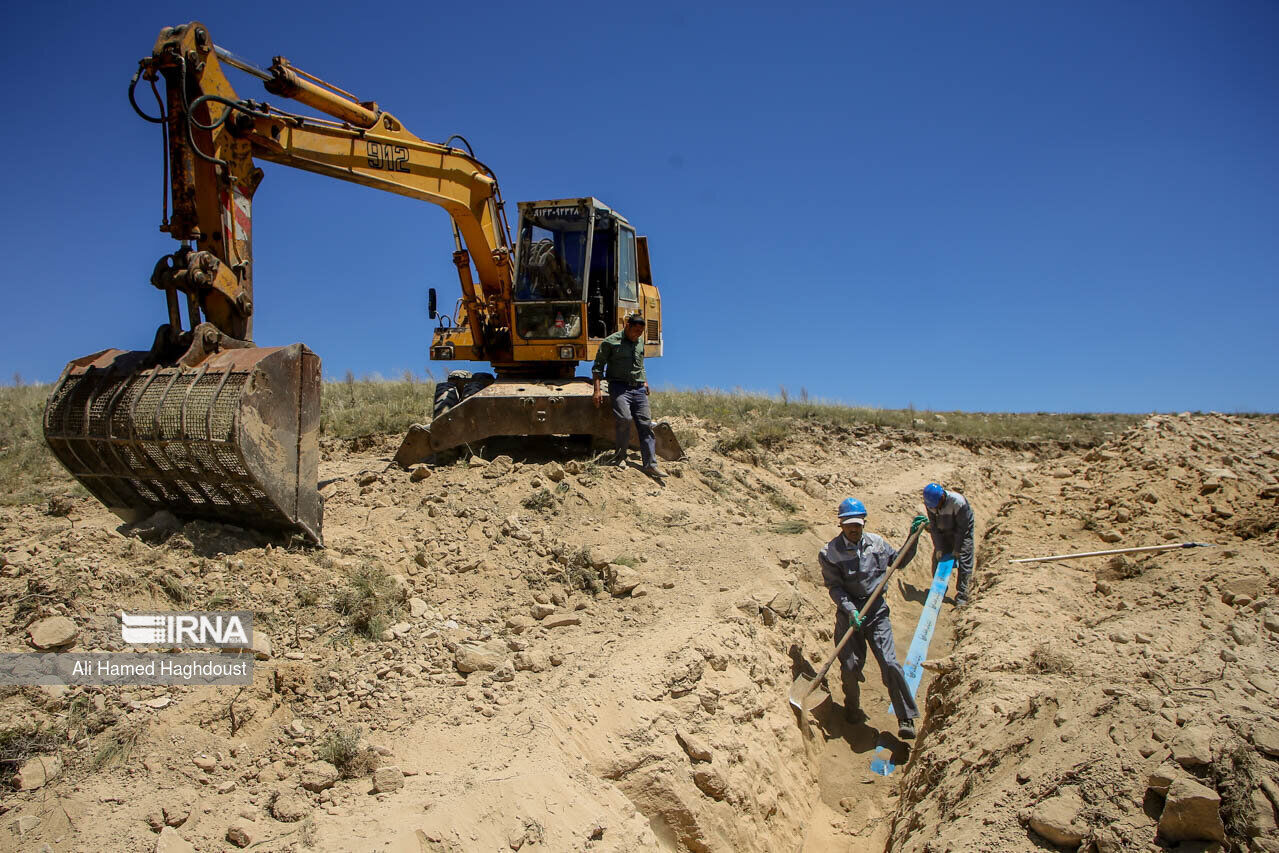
[620,360]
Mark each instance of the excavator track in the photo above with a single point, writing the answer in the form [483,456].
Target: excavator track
[234,439]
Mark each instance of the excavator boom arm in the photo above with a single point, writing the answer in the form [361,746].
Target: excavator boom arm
[214,136]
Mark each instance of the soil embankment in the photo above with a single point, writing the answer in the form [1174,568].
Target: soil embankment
[546,654]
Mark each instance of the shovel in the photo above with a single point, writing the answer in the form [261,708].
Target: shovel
[807,692]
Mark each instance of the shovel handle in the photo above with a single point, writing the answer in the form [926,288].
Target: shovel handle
[870,603]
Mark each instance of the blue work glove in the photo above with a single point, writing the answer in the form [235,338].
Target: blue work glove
[918,522]
[851,609]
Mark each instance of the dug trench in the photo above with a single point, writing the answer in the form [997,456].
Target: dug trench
[543,653]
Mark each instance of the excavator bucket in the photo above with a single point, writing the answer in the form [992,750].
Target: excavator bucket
[234,439]
[523,407]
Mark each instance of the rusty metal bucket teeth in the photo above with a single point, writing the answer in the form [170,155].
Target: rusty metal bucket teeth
[235,439]
[511,407]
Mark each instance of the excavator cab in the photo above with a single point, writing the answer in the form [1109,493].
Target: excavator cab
[579,270]
[576,271]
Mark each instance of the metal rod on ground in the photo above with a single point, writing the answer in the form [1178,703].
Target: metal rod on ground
[1115,551]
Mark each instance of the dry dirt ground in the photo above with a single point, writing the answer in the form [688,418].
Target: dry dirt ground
[568,657]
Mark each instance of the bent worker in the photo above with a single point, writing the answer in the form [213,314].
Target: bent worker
[620,360]
[951,524]
[853,564]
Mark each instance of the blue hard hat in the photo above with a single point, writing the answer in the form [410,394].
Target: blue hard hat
[851,508]
[933,495]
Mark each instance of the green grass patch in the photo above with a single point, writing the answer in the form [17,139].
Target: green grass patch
[761,419]
[368,601]
[342,749]
[791,526]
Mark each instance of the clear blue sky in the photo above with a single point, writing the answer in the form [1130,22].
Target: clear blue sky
[1000,206]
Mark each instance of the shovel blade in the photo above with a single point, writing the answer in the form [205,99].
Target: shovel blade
[807,694]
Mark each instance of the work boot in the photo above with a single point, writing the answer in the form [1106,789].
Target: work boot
[906,729]
[960,602]
[854,714]
[618,458]
[652,470]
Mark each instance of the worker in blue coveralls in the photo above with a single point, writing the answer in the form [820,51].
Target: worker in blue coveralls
[951,524]
[853,564]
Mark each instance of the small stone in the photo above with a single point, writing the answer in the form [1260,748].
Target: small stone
[418,473]
[226,787]
[417,608]
[1120,637]
[532,660]
[554,472]
[1242,635]
[572,466]
[1266,740]
[1160,779]
[641,591]
[1192,747]
[171,842]
[621,579]
[1191,813]
[1261,821]
[561,621]
[499,467]
[1250,587]
[290,808]
[1103,587]
[207,763]
[519,624]
[475,658]
[241,833]
[24,824]
[1054,820]
[175,815]
[541,611]
[56,632]
[786,603]
[387,779]
[695,747]
[1272,622]
[711,783]
[1061,473]
[1110,536]
[317,776]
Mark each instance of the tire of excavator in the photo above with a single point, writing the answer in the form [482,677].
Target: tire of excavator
[446,397]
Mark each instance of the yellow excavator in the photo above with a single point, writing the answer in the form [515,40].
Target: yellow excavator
[207,424]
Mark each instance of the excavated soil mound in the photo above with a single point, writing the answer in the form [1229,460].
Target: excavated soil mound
[541,654]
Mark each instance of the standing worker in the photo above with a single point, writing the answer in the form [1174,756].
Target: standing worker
[620,360]
[853,564]
[950,521]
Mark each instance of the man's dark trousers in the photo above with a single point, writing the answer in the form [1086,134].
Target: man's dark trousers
[630,403]
[852,658]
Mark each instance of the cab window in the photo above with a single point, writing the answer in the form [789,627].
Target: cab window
[627,288]
[552,254]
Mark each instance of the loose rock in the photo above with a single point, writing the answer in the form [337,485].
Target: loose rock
[318,775]
[694,746]
[56,632]
[37,771]
[1191,813]
[1055,820]
[386,779]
